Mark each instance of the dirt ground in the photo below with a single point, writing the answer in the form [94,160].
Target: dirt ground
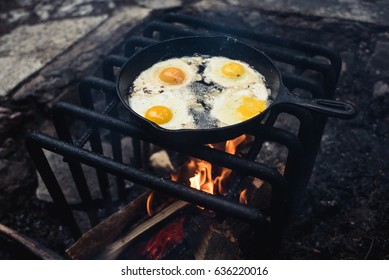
[345,208]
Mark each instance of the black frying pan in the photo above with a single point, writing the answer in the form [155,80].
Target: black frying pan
[218,46]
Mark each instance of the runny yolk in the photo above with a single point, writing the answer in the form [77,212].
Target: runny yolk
[250,108]
[172,76]
[159,114]
[232,70]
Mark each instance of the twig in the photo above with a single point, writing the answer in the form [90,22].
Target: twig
[30,245]
[371,247]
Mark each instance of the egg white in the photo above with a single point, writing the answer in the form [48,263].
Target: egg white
[213,73]
[149,82]
[179,107]
[225,105]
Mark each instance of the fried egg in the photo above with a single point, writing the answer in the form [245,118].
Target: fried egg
[198,92]
[165,109]
[230,73]
[171,74]
[234,106]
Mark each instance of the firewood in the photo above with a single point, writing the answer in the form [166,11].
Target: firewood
[113,250]
[218,243]
[108,230]
[30,245]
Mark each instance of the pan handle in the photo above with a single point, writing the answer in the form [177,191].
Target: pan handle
[338,109]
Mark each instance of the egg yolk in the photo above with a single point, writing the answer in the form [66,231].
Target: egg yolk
[250,108]
[159,114]
[172,76]
[233,70]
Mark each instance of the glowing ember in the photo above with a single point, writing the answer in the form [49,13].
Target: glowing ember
[165,239]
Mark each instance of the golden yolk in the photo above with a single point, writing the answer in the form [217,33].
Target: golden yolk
[159,114]
[250,108]
[233,70]
[172,76]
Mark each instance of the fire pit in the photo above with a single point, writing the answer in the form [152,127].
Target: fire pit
[277,156]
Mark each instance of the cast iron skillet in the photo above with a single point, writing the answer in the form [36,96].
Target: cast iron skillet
[218,46]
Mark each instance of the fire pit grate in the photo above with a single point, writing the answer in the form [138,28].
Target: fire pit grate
[307,69]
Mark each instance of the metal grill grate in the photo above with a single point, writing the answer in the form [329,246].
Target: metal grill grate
[310,68]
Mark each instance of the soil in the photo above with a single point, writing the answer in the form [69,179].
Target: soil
[345,207]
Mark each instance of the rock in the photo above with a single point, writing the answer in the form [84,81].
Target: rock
[379,61]
[28,48]
[152,4]
[13,173]
[161,160]
[81,7]
[380,89]
[60,77]
[254,19]
[347,62]
[24,3]
[9,121]
[43,11]
[7,148]
[340,9]
[18,15]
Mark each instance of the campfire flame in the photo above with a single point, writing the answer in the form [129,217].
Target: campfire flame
[203,173]
[200,175]
[149,203]
[243,197]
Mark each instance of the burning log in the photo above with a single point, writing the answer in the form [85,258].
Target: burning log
[113,250]
[218,243]
[108,230]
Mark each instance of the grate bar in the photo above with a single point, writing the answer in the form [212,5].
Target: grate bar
[52,185]
[137,42]
[109,63]
[208,154]
[137,176]
[307,47]
[276,54]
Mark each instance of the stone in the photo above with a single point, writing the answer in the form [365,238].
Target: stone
[340,9]
[24,3]
[28,48]
[9,121]
[17,15]
[153,4]
[380,89]
[61,76]
[379,61]
[13,173]
[43,11]
[347,61]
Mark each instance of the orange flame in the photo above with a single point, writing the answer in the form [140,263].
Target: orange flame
[149,203]
[202,179]
[200,175]
[243,197]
